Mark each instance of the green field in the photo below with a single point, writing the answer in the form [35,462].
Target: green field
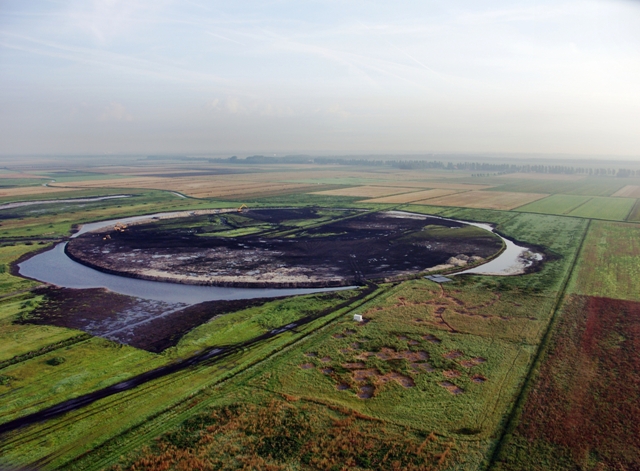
[587,187]
[614,209]
[555,204]
[609,265]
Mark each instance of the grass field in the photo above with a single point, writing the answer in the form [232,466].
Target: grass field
[615,209]
[555,204]
[609,265]
[487,199]
[586,187]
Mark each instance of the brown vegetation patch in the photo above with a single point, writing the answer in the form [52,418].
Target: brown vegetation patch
[362,375]
[431,338]
[451,374]
[478,379]
[354,365]
[281,435]
[585,400]
[422,367]
[452,388]
[453,355]
[366,391]
[327,371]
[325,359]
[307,366]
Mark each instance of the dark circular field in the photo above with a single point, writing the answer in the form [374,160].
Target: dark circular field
[284,247]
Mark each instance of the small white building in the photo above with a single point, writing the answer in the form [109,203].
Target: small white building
[357,317]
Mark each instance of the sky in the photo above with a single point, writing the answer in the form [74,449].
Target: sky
[320,77]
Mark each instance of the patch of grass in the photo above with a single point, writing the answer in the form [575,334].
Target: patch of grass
[609,264]
[246,324]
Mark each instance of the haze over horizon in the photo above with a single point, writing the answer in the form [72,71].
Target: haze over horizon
[110,76]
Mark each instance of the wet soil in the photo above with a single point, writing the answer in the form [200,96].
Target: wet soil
[371,246]
[150,325]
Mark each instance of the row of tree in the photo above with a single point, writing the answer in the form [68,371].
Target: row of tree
[479,169]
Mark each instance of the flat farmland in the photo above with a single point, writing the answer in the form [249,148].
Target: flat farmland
[414,196]
[455,186]
[613,209]
[365,191]
[33,190]
[487,199]
[555,204]
[609,264]
[586,187]
[582,411]
[629,191]
[197,187]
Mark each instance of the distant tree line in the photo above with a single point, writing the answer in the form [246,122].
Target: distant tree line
[478,169]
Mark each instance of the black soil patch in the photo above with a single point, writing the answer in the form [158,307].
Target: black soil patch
[150,325]
[342,252]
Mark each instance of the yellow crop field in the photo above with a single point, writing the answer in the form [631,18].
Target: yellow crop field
[33,190]
[487,199]
[410,197]
[435,185]
[198,187]
[365,191]
[629,191]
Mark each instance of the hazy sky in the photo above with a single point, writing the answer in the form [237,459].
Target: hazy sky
[160,76]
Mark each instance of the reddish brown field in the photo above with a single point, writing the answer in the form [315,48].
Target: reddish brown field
[280,436]
[584,410]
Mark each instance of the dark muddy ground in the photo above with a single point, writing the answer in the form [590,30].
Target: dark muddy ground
[141,323]
[337,253]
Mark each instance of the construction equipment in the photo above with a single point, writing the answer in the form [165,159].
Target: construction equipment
[244,206]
